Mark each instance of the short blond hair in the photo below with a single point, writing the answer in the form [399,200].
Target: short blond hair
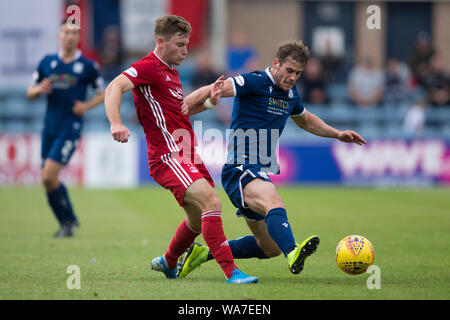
[167,26]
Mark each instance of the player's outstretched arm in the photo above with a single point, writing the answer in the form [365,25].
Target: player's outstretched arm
[113,99]
[317,126]
[204,98]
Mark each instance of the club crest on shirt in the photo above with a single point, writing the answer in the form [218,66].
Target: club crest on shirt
[78,67]
[193,169]
[240,80]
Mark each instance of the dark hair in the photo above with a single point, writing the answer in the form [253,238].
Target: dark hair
[167,26]
[294,49]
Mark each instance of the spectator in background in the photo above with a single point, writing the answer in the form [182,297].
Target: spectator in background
[414,121]
[313,83]
[111,52]
[396,82]
[437,82]
[241,56]
[330,62]
[420,57]
[366,84]
[205,74]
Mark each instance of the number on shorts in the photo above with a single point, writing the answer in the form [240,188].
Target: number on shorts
[68,147]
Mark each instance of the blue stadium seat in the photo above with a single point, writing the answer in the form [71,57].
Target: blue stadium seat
[341,112]
[35,126]
[338,92]
[443,113]
[317,109]
[365,115]
[98,111]
[394,130]
[368,131]
[93,125]
[445,131]
[18,114]
[16,107]
[15,126]
[36,108]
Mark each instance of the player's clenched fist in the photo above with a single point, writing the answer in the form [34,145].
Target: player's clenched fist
[79,108]
[120,133]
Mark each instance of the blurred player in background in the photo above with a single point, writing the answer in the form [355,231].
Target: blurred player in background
[264,100]
[158,98]
[64,78]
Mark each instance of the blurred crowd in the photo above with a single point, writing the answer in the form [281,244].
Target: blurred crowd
[420,82]
[398,81]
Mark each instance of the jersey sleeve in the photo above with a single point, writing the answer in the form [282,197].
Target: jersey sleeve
[141,73]
[298,110]
[38,74]
[95,78]
[245,84]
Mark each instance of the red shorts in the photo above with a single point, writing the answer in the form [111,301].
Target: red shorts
[177,173]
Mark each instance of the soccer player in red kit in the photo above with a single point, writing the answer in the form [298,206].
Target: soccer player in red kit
[173,163]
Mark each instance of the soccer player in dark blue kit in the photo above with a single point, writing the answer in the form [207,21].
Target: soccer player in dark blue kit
[263,102]
[64,78]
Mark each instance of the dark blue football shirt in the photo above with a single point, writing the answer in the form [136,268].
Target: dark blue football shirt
[69,83]
[260,112]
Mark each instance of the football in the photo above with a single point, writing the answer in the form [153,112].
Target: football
[354,254]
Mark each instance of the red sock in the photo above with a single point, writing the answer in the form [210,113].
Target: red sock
[216,241]
[183,238]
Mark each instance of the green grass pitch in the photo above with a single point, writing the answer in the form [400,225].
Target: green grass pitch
[122,230]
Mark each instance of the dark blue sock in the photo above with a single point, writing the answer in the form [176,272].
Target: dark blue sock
[60,203]
[66,204]
[280,229]
[244,248]
[53,201]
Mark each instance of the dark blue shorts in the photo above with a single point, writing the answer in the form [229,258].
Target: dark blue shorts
[234,179]
[59,146]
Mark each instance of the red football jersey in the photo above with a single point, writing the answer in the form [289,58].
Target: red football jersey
[158,97]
